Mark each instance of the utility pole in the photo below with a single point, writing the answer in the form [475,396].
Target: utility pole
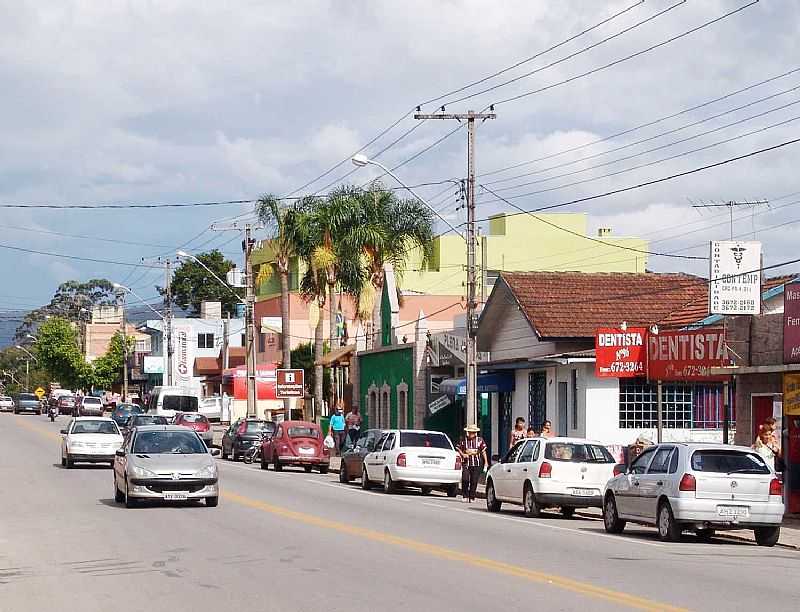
[250,299]
[472,327]
[168,321]
[124,350]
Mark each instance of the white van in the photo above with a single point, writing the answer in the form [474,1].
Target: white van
[166,401]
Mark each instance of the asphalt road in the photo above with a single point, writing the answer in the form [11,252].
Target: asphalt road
[297,542]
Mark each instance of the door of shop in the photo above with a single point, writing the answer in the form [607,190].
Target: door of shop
[760,410]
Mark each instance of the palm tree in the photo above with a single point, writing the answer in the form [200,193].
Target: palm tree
[387,231]
[283,223]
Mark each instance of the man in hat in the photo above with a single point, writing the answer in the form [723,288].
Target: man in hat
[472,449]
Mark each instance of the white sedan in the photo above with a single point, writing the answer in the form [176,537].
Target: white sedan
[90,440]
[417,458]
[567,473]
[701,487]
[6,403]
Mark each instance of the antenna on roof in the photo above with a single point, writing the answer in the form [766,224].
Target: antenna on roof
[731,205]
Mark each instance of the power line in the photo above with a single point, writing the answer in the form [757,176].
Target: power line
[65,256]
[658,180]
[127,206]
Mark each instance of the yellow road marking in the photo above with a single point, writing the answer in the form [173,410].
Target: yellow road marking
[575,586]
[432,550]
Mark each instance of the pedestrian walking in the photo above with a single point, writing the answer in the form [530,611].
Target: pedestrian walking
[472,449]
[518,433]
[353,424]
[337,428]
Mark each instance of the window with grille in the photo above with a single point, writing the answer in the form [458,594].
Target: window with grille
[684,406]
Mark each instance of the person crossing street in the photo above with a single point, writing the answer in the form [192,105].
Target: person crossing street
[472,450]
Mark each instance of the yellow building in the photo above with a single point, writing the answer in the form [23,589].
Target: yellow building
[513,243]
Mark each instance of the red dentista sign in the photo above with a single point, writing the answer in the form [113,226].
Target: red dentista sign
[620,353]
[686,355]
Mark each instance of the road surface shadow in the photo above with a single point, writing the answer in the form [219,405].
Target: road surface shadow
[154,503]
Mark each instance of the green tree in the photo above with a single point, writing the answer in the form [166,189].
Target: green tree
[108,368]
[303,358]
[12,372]
[59,354]
[192,284]
[73,301]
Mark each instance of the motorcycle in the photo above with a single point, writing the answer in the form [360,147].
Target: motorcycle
[52,412]
[254,452]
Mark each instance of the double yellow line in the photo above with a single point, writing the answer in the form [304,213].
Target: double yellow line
[567,584]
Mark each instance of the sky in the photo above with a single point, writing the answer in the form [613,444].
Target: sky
[183,102]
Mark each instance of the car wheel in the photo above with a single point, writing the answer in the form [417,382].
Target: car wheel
[668,529]
[492,503]
[365,483]
[529,505]
[611,520]
[704,535]
[425,490]
[277,465]
[69,463]
[63,462]
[119,497]
[212,502]
[767,536]
[234,455]
[567,512]
[323,469]
[129,501]
[388,483]
[343,478]
[307,468]
[264,464]
[224,454]
[452,490]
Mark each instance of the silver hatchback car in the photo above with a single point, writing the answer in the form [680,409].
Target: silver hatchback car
[702,487]
[165,462]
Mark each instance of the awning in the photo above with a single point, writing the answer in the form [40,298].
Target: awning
[487,383]
[339,356]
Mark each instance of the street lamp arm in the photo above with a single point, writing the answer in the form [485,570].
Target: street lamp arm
[207,269]
[138,297]
[27,352]
[364,160]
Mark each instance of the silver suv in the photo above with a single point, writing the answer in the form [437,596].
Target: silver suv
[702,487]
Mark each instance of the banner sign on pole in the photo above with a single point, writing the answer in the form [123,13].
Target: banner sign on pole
[620,353]
[735,278]
[686,355]
[183,355]
[791,323]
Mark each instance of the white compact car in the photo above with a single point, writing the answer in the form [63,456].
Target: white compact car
[416,458]
[702,487]
[90,440]
[6,404]
[567,473]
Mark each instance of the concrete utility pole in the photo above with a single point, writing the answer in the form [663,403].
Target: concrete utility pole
[250,298]
[124,350]
[472,327]
[168,321]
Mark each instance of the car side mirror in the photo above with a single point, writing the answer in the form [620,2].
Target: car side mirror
[495,458]
[120,452]
[214,452]
[63,432]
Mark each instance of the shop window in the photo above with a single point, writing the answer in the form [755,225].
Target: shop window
[684,406]
[205,341]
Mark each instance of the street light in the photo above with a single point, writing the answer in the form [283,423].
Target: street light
[360,160]
[248,302]
[32,337]
[27,365]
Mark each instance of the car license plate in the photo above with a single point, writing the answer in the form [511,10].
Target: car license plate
[176,495]
[583,492]
[306,451]
[736,511]
[430,461]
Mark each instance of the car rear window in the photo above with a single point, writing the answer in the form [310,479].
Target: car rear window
[95,427]
[259,426]
[66,400]
[424,440]
[91,400]
[181,403]
[28,397]
[194,418]
[577,452]
[149,420]
[303,432]
[728,461]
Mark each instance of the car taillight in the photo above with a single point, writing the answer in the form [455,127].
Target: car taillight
[545,470]
[619,469]
[401,460]
[458,462]
[688,483]
[775,487]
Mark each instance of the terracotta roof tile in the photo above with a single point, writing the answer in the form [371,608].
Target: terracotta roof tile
[574,304]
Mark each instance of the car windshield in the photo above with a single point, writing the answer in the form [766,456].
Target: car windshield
[577,452]
[194,418]
[259,426]
[28,397]
[181,403]
[728,461]
[147,420]
[168,443]
[424,440]
[303,432]
[95,427]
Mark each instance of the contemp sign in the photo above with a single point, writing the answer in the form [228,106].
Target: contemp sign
[686,355]
[791,323]
[620,353]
